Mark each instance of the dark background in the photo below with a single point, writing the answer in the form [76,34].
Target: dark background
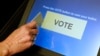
[7,9]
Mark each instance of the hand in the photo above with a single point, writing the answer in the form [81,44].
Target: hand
[21,38]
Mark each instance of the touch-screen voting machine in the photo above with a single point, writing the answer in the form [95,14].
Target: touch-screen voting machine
[67,27]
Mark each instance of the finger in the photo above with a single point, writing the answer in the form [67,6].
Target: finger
[32,24]
[33,31]
[32,37]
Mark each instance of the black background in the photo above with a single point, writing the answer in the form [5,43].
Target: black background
[7,9]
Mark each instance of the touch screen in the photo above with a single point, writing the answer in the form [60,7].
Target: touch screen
[68,27]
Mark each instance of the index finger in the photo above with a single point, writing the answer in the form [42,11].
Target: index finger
[32,24]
